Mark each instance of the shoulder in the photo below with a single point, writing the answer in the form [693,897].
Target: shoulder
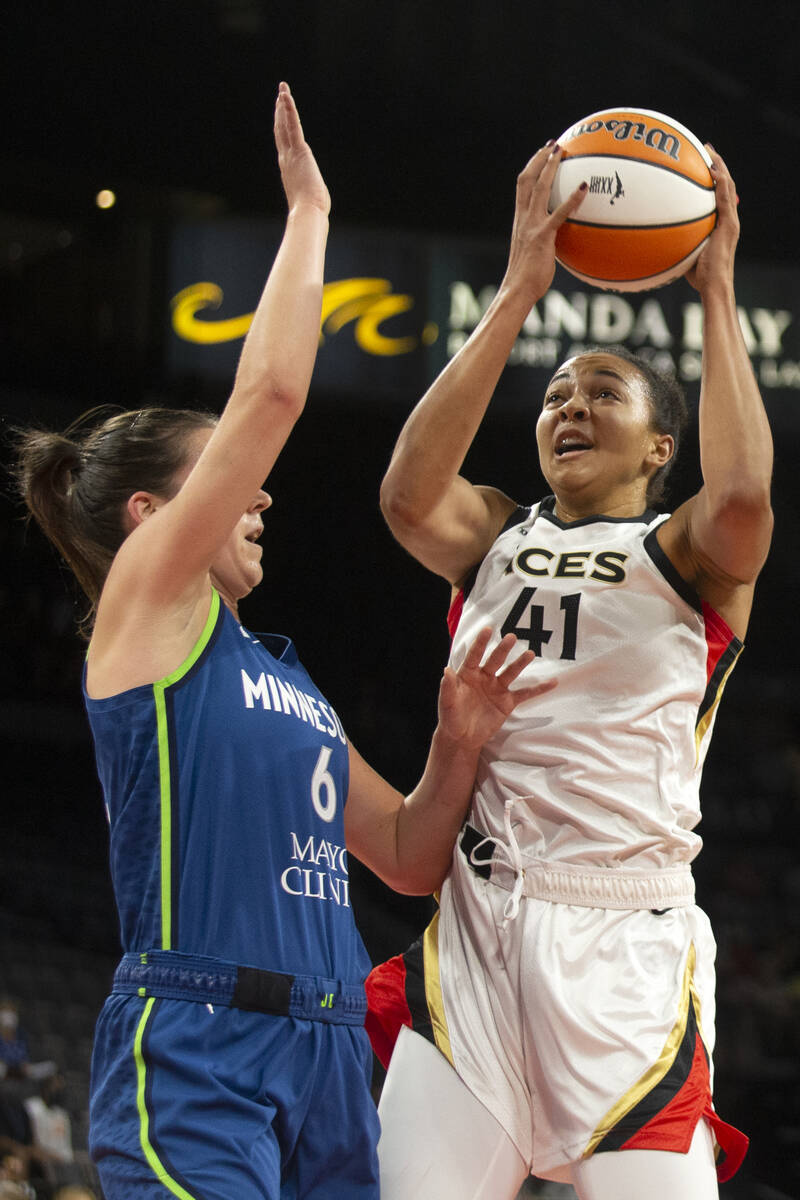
[731,598]
[508,516]
[499,506]
[138,642]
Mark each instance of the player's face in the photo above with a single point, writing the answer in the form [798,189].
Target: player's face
[237,569]
[597,445]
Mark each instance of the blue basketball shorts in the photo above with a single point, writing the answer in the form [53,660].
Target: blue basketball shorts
[208,1102]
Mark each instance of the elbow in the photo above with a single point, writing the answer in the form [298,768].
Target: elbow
[423,874]
[417,883]
[390,498]
[420,875]
[271,394]
[746,502]
[399,510]
[285,398]
[746,514]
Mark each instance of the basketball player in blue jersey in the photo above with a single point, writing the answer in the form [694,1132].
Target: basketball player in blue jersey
[231,1061]
[558,1016]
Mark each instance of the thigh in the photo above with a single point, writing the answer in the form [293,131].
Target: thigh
[161,1069]
[438,1142]
[210,1103]
[657,1174]
[332,1139]
[615,1032]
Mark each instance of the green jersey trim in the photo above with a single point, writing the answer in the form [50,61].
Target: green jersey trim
[165,779]
[144,1117]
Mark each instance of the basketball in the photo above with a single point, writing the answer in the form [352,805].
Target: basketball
[650,206]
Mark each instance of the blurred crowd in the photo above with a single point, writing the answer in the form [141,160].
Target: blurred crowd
[38,1159]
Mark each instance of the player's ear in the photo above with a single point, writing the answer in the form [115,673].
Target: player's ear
[140,506]
[662,449]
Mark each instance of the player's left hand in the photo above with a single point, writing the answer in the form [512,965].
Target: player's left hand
[715,264]
[475,701]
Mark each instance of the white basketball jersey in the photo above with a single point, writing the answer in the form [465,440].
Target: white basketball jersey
[604,770]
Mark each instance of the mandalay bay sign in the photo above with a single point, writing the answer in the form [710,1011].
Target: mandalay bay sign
[397,307]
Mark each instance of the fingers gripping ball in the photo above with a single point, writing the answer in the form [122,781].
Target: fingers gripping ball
[650,205]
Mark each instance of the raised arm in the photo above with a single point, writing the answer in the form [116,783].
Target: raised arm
[719,539]
[166,556]
[441,518]
[408,841]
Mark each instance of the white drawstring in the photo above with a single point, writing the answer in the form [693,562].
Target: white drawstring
[510,849]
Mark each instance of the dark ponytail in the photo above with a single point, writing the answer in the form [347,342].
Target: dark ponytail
[76,485]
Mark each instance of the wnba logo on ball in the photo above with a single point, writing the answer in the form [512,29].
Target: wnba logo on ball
[607,185]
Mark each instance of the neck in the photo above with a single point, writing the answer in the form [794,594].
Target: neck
[227,597]
[624,504]
[230,604]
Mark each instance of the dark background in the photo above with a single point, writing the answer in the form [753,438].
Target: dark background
[421,115]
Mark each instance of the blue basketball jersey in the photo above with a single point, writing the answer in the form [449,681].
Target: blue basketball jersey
[225,784]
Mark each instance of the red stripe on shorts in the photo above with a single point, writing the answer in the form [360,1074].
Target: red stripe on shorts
[666,1117]
[387,1006]
[673,1127]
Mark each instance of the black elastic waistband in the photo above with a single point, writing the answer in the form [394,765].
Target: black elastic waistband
[470,838]
[174,976]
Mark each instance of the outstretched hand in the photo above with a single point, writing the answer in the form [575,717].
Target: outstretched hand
[302,178]
[715,263]
[475,701]
[532,257]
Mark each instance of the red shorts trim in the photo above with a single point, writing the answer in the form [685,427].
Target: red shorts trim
[387,1006]
[667,1116]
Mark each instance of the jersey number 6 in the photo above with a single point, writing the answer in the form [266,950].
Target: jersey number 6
[322,782]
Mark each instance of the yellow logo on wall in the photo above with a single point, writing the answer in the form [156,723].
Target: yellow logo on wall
[366,302]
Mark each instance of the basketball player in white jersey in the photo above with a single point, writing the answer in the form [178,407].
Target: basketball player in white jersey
[561,1006]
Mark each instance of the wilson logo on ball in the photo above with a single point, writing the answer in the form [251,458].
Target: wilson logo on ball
[648,231]
[652,135]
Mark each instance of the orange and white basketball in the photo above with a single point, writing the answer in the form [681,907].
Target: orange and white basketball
[650,206]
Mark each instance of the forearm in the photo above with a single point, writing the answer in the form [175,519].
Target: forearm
[408,840]
[436,514]
[278,355]
[429,819]
[440,431]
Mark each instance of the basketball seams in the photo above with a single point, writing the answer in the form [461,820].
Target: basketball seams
[570,156]
[640,228]
[601,265]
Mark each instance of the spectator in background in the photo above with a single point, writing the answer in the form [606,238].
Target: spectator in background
[14,1183]
[51,1133]
[15,1060]
[14,1053]
[11,1190]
